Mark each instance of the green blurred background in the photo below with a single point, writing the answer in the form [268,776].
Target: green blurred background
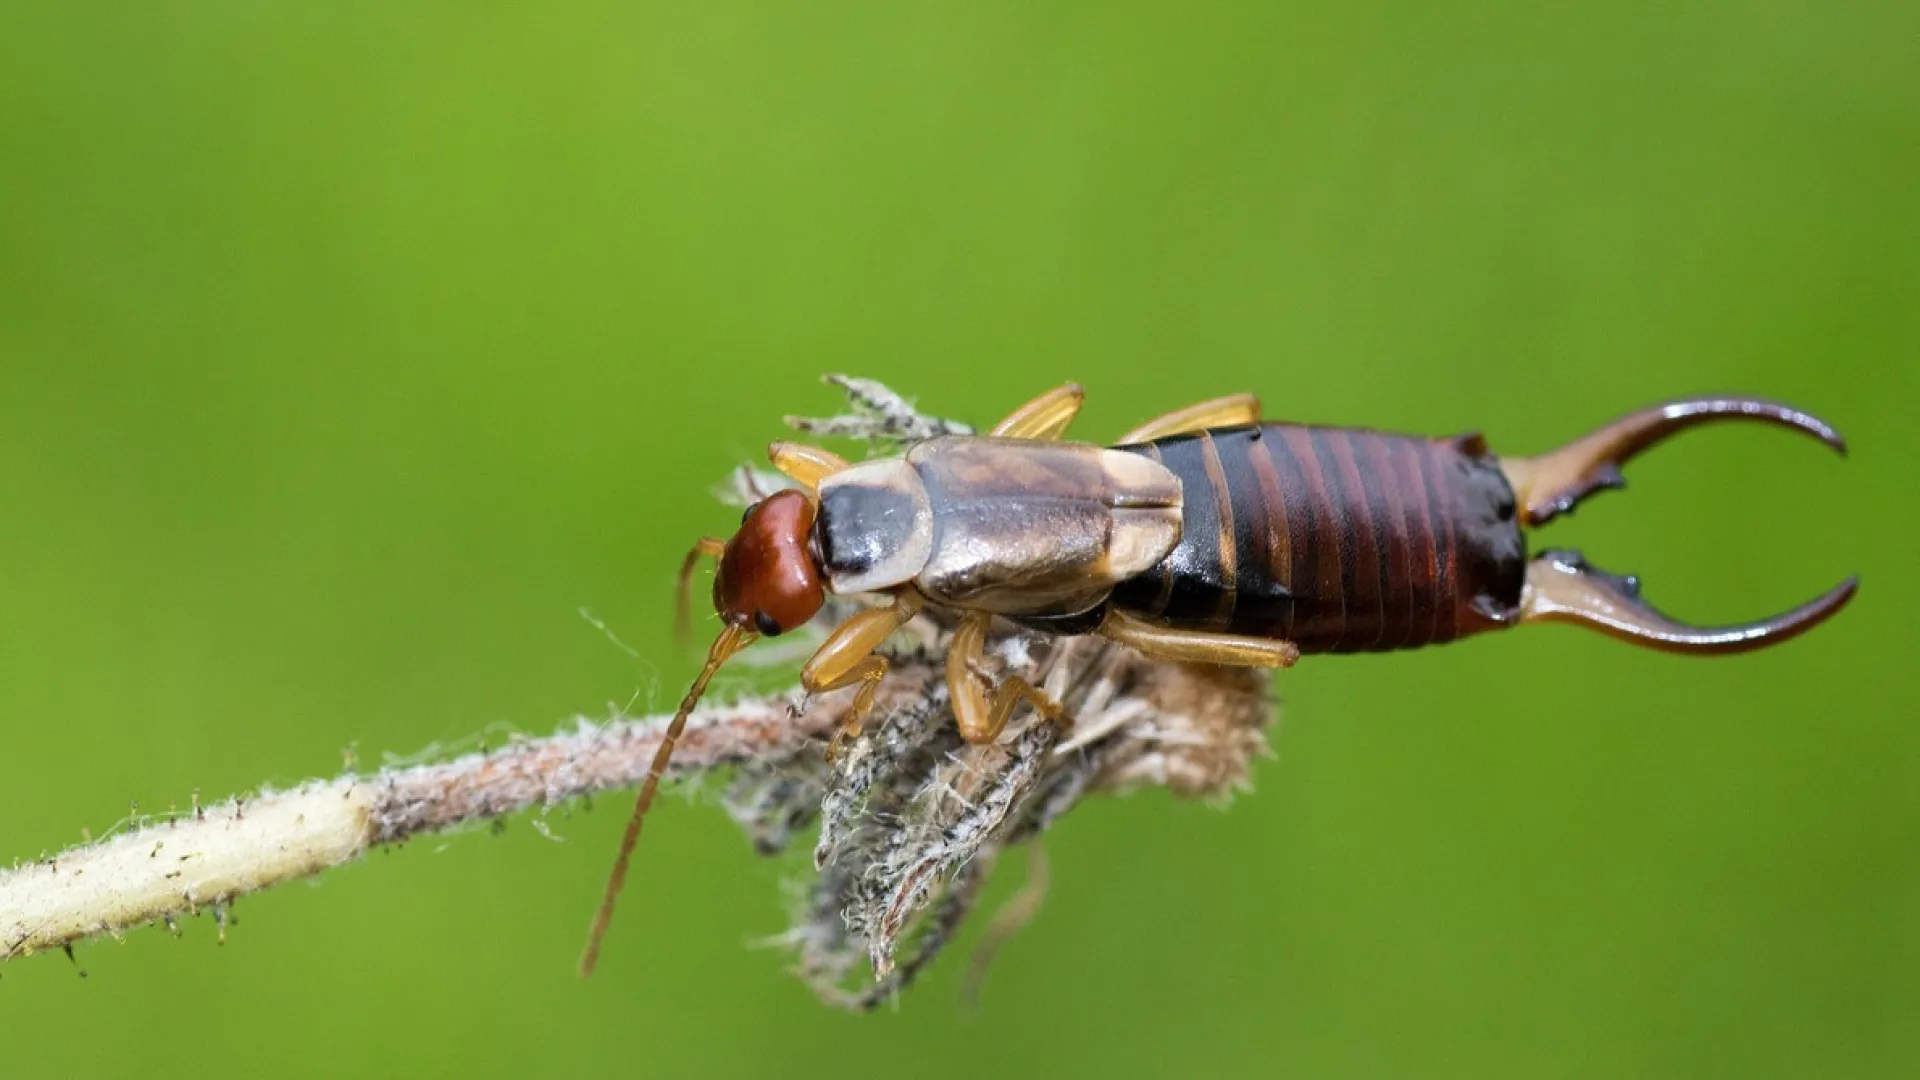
[346,350]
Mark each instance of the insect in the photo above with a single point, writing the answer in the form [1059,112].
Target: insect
[1204,535]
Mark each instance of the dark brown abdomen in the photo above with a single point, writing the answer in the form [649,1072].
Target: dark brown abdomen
[1336,539]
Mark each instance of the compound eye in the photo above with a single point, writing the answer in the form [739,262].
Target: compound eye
[765,624]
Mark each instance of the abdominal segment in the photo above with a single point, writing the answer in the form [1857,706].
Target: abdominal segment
[1338,540]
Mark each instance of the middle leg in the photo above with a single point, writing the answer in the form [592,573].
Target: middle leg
[981,718]
[1045,418]
[1230,411]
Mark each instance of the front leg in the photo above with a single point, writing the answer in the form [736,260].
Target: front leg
[847,658]
[805,465]
[980,718]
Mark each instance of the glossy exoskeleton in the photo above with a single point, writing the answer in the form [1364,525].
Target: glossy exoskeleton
[1202,536]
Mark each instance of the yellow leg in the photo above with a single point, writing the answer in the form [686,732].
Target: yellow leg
[1220,412]
[846,659]
[1198,646]
[805,465]
[1044,418]
[981,719]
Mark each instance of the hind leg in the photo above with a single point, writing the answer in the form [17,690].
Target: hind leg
[1198,646]
[1230,411]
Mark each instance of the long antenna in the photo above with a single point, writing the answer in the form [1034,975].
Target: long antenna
[731,640]
[708,547]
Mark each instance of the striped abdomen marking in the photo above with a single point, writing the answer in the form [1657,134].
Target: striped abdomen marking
[1339,540]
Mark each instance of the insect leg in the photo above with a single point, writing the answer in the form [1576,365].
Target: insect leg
[1198,646]
[847,658]
[805,465]
[1230,411]
[980,718]
[1044,418]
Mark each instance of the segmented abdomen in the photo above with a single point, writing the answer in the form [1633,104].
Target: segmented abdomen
[1336,539]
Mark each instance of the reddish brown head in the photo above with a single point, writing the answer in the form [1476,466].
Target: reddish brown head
[769,581]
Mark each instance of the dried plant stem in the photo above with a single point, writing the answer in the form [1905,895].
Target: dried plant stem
[210,856]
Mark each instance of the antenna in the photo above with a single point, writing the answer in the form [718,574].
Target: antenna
[731,640]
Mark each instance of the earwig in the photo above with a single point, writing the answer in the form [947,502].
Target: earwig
[1203,536]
